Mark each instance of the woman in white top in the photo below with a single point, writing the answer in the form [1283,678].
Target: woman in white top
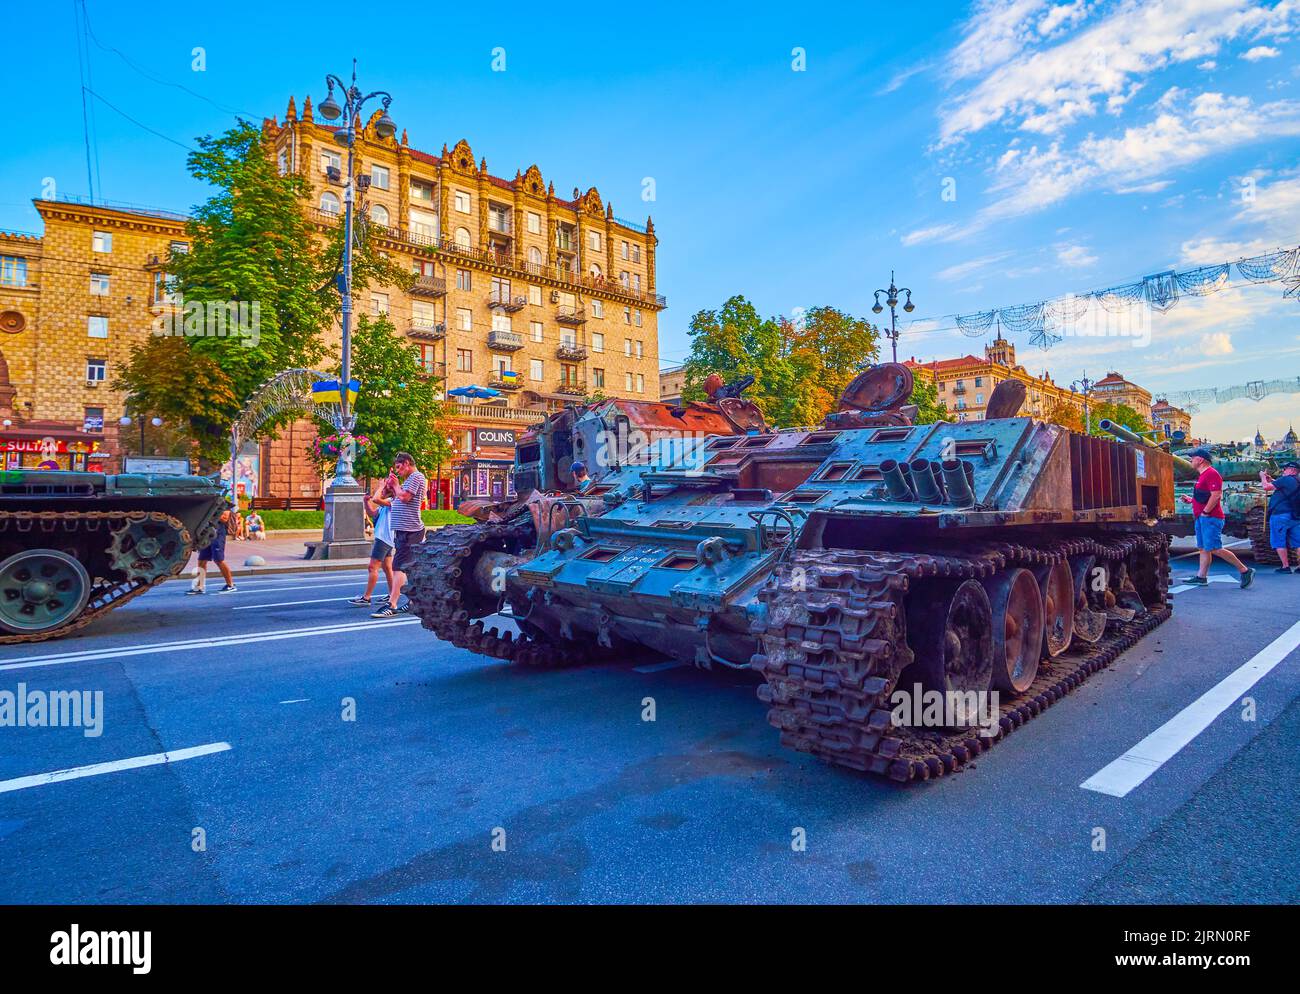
[381,553]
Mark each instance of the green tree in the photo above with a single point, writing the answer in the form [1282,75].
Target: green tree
[397,409]
[828,348]
[1121,414]
[925,395]
[250,243]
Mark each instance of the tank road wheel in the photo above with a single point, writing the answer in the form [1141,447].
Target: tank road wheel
[1257,531]
[952,625]
[1057,588]
[150,549]
[1089,625]
[40,590]
[1017,629]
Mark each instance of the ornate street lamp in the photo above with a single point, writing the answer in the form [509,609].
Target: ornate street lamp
[1084,386]
[125,422]
[891,298]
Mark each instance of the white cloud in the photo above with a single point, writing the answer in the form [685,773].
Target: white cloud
[1208,65]
[1074,256]
[1155,186]
[1261,52]
[1216,343]
[1270,220]
[963,269]
[1046,89]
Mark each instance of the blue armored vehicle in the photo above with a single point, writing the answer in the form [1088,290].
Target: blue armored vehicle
[996,563]
[73,546]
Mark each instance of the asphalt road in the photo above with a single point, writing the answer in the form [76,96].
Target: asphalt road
[447,752]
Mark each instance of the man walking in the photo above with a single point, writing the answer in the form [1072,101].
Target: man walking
[1207,512]
[409,488]
[1284,513]
[214,552]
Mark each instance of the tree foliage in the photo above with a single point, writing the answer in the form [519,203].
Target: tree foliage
[398,408]
[1066,415]
[925,395]
[1121,414]
[800,369]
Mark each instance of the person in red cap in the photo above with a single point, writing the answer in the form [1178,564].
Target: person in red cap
[1207,513]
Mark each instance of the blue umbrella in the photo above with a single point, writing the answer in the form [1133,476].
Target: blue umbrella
[474,391]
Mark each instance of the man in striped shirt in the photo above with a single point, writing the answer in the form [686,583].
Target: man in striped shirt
[409,488]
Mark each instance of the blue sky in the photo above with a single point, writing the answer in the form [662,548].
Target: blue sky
[1081,144]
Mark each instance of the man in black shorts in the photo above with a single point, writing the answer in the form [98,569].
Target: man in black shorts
[409,488]
[214,552]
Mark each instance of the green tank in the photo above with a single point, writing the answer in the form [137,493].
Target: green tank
[73,546]
[1244,501]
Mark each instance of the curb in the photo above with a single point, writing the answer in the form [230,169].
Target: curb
[308,566]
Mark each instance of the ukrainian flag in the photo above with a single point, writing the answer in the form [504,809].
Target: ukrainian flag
[329,391]
[509,376]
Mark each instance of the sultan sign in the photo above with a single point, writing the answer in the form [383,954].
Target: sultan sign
[494,438]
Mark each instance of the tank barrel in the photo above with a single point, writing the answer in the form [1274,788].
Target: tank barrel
[956,483]
[927,487]
[895,480]
[1182,468]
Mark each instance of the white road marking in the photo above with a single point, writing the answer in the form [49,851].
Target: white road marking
[249,590]
[1196,586]
[297,700]
[1132,768]
[1226,545]
[116,766]
[189,645]
[671,664]
[379,597]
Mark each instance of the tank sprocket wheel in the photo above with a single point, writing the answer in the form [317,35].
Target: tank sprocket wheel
[149,547]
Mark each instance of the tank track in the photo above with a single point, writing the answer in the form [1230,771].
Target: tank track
[105,593]
[440,594]
[834,646]
[1257,532]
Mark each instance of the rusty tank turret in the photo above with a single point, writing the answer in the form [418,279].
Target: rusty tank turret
[73,546]
[841,565]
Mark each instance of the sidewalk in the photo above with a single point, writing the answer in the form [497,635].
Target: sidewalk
[283,552]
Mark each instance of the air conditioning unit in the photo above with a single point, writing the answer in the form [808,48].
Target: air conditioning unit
[555,296]
[334,174]
[440,328]
[363,183]
[92,383]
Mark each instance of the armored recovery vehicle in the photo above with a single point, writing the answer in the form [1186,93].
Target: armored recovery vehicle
[73,546]
[841,563]
[1244,500]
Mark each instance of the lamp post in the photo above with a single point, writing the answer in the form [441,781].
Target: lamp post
[344,532]
[1084,386]
[350,110]
[125,422]
[891,298]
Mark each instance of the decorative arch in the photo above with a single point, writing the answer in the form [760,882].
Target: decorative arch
[591,202]
[532,182]
[461,159]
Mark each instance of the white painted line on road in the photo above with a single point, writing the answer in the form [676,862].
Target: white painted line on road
[297,700]
[1226,545]
[1196,586]
[1132,768]
[671,664]
[380,598]
[189,645]
[250,591]
[116,766]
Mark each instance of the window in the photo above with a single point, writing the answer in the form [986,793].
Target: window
[640,383]
[102,241]
[534,256]
[625,251]
[597,342]
[626,279]
[464,361]
[627,382]
[378,303]
[379,214]
[96,370]
[462,238]
[595,271]
[421,190]
[564,238]
[500,321]
[979,381]
[640,349]
[593,241]
[461,201]
[428,361]
[329,202]
[636,253]
[164,288]
[535,296]
[979,399]
[463,280]
[568,337]
[330,160]
[13,271]
[627,315]
[536,328]
[627,347]
[638,319]
[500,291]
[636,282]
[534,223]
[464,319]
[597,377]
[179,248]
[282,161]
[569,373]
[97,326]
[93,419]
[99,284]
[501,366]
[499,218]
[536,370]
[424,224]
[423,315]
[379,177]
[598,308]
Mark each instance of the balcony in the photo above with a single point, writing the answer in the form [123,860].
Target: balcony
[566,314]
[497,382]
[571,352]
[491,412]
[959,388]
[429,286]
[434,370]
[427,331]
[505,341]
[505,302]
[575,388]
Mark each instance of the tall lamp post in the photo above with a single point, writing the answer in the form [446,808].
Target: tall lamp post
[1084,386]
[125,422]
[344,533]
[891,298]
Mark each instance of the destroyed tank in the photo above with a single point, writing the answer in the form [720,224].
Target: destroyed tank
[1244,500]
[999,561]
[73,546]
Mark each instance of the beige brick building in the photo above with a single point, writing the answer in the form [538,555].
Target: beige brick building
[966,383]
[672,381]
[545,299]
[1164,413]
[1115,389]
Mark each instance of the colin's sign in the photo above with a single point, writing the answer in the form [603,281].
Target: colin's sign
[494,438]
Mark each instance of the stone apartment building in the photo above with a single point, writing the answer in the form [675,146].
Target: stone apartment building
[1169,419]
[1115,389]
[541,298]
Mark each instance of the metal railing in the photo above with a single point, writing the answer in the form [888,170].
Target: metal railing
[429,286]
[505,340]
[488,412]
[431,330]
[577,388]
[566,314]
[571,351]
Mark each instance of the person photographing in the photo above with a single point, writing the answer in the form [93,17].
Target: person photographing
[1284,513]
[1207,512]
[409,487]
